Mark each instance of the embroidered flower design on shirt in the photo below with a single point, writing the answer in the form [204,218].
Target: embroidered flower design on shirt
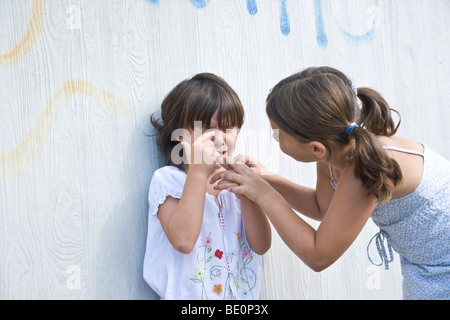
[217,289]
[207,241]
[231,274]
[246,254]
[218,254]
[199,274]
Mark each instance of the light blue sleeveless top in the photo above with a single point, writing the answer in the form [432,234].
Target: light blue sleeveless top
[417,226]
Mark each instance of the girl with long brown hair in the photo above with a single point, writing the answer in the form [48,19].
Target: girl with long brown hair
[363,170]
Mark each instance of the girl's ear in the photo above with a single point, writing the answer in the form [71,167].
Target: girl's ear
[318,149]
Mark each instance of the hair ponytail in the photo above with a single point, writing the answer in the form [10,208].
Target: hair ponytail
[375,114]
[380,176]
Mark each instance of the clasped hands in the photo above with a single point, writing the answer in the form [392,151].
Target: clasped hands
[242,177]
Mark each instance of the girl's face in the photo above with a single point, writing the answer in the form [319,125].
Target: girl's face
[291,146]
[224,140]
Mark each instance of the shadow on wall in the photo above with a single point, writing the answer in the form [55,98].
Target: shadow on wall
[124,234]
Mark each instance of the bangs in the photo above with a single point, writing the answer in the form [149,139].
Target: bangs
[230,114]
[209,98]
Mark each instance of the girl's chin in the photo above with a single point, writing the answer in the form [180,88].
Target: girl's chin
[217,166]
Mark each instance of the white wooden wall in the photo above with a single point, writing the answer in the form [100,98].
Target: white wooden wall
[80,78]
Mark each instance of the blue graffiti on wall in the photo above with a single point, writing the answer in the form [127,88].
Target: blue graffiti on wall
[200,3]
[284,18]
[252,7]
[321,35]
[322,39]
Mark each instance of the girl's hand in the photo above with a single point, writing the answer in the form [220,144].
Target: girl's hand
[253,164]
[241,180]
[202,154]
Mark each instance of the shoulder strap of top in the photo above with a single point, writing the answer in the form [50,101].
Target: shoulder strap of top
[334,183]
[403,150]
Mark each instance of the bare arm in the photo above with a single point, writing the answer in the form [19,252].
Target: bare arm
[257,227]
[347,214]
[300,198]
[182,219]
[313,203]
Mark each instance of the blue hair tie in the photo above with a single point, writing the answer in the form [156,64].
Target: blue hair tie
[350,128]
[355,90]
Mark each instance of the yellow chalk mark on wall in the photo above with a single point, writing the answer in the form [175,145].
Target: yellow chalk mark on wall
[30,36]
[24,154]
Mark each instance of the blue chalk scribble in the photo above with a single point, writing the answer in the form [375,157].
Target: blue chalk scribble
[252,7]
[321,36]
[284,19]
[363,39]
[199,3]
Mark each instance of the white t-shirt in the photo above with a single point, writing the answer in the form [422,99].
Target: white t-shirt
[221,265]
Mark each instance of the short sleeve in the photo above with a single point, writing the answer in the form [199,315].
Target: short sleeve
[166,181]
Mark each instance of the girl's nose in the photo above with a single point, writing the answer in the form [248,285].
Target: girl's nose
[219,138]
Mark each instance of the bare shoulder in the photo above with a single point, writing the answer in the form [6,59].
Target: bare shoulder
[411,165]
[400,142]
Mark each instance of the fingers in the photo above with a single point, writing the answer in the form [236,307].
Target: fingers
[224,165]
[238,190]
[210,155]
[186,145]
[225,185]
[232,177]
[216,177]
[202,150]
[208,136]
[230,186]
[234,164]
[187,150]
[229,176]
[226,162]
[248,160]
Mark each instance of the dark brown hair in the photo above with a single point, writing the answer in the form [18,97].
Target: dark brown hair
[196,99]
[319,104]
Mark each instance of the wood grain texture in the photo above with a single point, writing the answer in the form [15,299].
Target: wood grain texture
[79,80]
